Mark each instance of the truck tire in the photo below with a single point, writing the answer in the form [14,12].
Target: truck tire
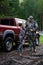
[8,44]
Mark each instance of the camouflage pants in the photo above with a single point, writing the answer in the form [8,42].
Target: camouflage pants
[20,47]
[31,42]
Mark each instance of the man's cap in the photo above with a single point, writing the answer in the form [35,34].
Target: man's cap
[30,17]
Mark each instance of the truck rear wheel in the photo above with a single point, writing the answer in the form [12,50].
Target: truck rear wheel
[8,44]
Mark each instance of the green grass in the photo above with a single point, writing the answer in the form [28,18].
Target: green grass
[41,39]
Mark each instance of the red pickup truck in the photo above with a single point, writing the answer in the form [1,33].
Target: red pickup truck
[9,32]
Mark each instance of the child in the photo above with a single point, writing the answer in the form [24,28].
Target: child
[21,37]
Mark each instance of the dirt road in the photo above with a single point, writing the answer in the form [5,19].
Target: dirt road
[27,57]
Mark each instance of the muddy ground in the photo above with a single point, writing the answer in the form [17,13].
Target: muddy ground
[27,58]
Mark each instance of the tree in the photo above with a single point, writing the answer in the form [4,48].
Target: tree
[28,7]
[40,11]
[9,7]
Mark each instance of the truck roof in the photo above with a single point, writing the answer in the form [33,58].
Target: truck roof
[20,20]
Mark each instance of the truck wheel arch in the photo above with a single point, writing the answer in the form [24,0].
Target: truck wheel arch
[9,33]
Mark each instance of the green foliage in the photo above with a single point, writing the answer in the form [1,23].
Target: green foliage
[9,7]
[30,8]
[13,8]
[40,6]
[41,39]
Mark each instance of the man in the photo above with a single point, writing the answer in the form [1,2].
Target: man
[21,38]
[31,23]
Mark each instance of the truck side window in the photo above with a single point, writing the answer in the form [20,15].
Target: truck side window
[11,22]
[0,21]
[20,24]
[4,21]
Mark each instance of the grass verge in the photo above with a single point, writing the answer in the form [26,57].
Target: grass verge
[41,39]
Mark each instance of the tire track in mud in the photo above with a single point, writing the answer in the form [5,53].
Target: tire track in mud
[26,58]
[16,58]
